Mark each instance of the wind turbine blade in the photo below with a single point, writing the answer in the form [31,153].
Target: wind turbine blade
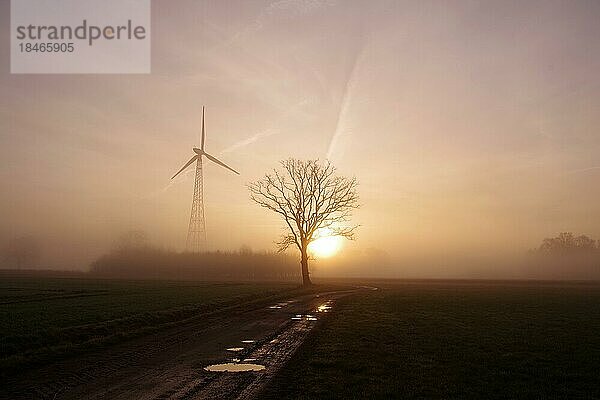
[185,166]
[203,132]
[213,159]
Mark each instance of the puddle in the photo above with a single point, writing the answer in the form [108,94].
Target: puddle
[280,305]
[235,349]
[248,341]
[369,287]
[234,367]
[326,307]
[308,317]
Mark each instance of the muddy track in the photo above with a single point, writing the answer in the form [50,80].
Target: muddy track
[170,364]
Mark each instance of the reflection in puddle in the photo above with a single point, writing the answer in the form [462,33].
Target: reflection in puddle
[235,349]
[369,287]
[326,307]
[234,367]
[307,317]
[280,305]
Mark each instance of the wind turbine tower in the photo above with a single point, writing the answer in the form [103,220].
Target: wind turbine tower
[196,238]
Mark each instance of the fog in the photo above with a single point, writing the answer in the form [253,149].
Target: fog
[471,127]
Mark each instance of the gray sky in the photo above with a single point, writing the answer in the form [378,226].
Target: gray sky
[472,126]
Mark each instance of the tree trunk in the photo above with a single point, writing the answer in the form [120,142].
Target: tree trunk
[304,263]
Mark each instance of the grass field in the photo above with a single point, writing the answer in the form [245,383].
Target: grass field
[44,318]
[452,341]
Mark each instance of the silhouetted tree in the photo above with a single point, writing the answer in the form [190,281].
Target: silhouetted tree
[584,242]
[566,242]
[23,251]
[312,200]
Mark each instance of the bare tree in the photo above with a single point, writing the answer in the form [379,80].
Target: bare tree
[567,242]
[311,199]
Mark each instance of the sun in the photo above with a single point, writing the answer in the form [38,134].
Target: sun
[325,246]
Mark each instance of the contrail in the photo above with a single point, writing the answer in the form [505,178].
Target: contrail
[341,125]
[250,140]
[236,146]
[278,10]
[185,177]
[576,171]
[267,132]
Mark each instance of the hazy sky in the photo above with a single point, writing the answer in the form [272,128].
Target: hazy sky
[471,125]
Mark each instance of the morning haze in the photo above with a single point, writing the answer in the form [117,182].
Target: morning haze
[472,130]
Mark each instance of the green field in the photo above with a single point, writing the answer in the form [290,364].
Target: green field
[452,341]
[45,318]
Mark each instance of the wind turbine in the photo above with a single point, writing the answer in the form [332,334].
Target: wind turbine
[196,239]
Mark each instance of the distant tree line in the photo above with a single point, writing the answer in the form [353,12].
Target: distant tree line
[134,259]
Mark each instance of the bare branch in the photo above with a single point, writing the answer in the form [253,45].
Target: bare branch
[310,197]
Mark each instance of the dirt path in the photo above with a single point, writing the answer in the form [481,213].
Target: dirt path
[170,364]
